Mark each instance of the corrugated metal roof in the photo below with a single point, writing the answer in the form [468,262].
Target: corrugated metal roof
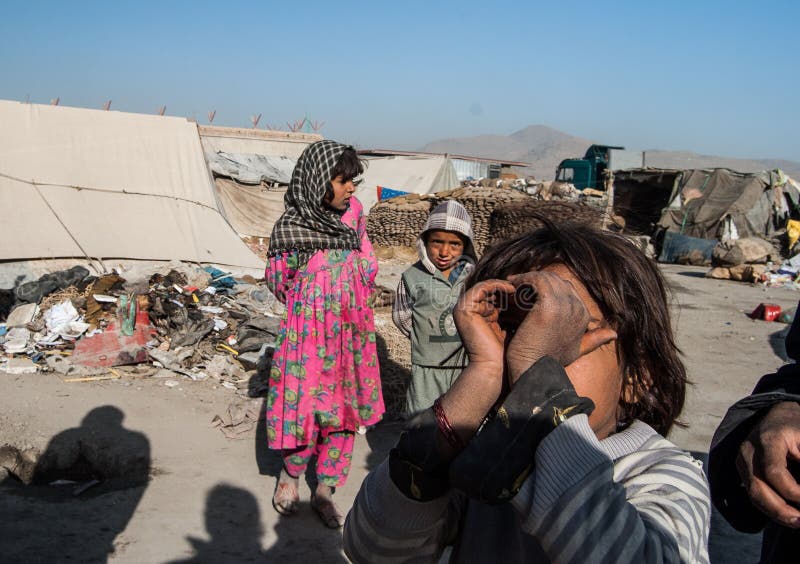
[391,152]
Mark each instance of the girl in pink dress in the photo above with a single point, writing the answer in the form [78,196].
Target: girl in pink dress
[325,380]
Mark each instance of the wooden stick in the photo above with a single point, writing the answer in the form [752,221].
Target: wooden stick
[92,378]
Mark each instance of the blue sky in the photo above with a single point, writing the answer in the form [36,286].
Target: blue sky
[712,77]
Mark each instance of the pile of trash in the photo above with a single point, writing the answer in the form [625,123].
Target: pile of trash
[546,190]
[754,260]
[182,322]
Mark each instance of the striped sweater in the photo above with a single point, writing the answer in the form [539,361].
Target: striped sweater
[633,497]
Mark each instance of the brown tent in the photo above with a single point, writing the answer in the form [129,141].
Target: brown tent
[708,203]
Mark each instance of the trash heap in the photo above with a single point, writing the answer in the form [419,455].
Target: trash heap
[756,261]
[743,260]
[182,322]
[543,189]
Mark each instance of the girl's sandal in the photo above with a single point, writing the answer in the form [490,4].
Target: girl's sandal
[286,498]
[328,512]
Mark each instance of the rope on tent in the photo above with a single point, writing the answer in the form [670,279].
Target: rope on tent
[105,191]
[91,260]
[85,254]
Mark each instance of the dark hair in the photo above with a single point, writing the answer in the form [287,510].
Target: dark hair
[348,167]
[630,291]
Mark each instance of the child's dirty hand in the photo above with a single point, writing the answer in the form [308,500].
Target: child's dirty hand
[556,324]
[476,316]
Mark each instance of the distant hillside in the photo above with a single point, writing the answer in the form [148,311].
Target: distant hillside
[545,147]
[685,159]
[542,146]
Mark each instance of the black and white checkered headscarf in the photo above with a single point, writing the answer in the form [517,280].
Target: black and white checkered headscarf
[308,225]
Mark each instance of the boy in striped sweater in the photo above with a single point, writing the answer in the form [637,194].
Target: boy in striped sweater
[550,445]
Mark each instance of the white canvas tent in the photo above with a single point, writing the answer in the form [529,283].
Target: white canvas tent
[251,168]
[415,174]
[250,189]
[251,210]
[91,183]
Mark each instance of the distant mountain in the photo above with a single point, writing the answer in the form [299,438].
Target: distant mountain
[545,147]
[542,146]
[685,159]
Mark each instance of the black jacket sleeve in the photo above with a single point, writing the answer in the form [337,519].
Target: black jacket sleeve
[727,492]
[500,457]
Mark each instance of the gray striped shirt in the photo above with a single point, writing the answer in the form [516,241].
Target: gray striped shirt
[633,497]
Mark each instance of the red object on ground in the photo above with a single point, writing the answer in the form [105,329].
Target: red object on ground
[112,348]
[767,312]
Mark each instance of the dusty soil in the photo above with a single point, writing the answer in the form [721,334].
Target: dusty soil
[173,488]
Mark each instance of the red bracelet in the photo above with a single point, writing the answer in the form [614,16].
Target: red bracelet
[447,431]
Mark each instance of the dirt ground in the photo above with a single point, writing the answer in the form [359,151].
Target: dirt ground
[178,490]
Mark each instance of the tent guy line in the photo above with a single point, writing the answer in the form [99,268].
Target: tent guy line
[105,191]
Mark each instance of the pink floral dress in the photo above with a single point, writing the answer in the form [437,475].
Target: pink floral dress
[325,371]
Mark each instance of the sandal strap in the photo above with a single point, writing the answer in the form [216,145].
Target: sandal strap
[329,512]
[286,492]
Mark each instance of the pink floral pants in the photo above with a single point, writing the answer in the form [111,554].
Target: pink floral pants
[334,452]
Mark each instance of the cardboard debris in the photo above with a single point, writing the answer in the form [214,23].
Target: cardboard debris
[19,365]
[22,315]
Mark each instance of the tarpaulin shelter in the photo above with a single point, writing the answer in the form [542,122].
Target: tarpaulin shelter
[411,174]
[721,204]
[254,141]
[705,203]
[101,184]
[248,168]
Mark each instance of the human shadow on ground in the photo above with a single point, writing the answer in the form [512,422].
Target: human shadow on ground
[395,379]
[693,274]
[233,522]
[303,537]
[726,545]
[268,461]
[79,494]
[777,341]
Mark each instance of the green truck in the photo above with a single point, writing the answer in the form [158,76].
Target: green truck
[590,171]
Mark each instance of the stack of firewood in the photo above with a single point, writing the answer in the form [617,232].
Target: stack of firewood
[480,203]
[515,218]
[399,220]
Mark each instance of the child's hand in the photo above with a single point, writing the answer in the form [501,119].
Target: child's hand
[476,316]
[556,325]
